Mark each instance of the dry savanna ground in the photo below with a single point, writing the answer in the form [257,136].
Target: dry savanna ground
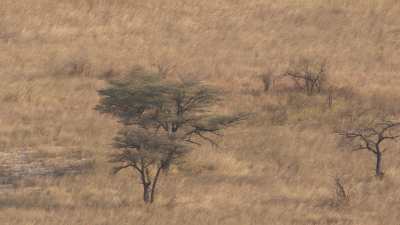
[278,167]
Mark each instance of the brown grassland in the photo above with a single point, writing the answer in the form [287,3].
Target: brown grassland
[278,167]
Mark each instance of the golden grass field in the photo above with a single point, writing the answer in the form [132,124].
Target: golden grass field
[53,57]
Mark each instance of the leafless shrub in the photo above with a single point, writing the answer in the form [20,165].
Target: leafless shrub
[267,80]
[341,197]
[308,76]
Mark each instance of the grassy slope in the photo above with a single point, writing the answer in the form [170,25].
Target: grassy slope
[262,174]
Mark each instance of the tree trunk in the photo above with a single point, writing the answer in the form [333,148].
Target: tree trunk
[153,187]
[147,193]
[146,182]
[330,100]
[378,169]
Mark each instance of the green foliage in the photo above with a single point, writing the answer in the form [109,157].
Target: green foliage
[179,109]
[161,120]
[129,98]
[139,148]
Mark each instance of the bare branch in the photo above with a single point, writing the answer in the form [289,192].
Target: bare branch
[119,168]
[360,148]
[371,139]
[192,142]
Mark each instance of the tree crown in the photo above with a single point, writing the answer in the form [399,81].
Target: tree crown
[177,108]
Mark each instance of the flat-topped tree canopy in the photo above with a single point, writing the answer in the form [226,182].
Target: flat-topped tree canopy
[162,119]
[180,108]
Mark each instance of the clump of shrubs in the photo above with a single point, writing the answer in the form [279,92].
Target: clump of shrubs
[305,94]
[308,76]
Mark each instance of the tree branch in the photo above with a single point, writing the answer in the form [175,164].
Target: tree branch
[119,168]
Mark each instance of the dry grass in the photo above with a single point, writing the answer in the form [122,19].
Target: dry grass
[54,54]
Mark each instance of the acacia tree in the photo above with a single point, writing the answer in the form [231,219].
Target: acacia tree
[148,154]
[372,138]
[162,120]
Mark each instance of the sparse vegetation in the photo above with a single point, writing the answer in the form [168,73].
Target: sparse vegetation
[275,168]
[308,75]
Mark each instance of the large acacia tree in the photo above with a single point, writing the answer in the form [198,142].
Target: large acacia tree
[162,120]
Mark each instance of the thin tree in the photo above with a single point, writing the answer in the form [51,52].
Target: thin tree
[164,120]
[372,139]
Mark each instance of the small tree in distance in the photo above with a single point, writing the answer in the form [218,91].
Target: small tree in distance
[371,138]
[162,119]
[308,75]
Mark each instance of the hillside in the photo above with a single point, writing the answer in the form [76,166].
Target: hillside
[274,168]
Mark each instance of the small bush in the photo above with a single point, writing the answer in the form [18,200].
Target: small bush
[267,80]
[308,76]
[341,195]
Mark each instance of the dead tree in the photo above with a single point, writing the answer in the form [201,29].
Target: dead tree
[308,77]
[371,139]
